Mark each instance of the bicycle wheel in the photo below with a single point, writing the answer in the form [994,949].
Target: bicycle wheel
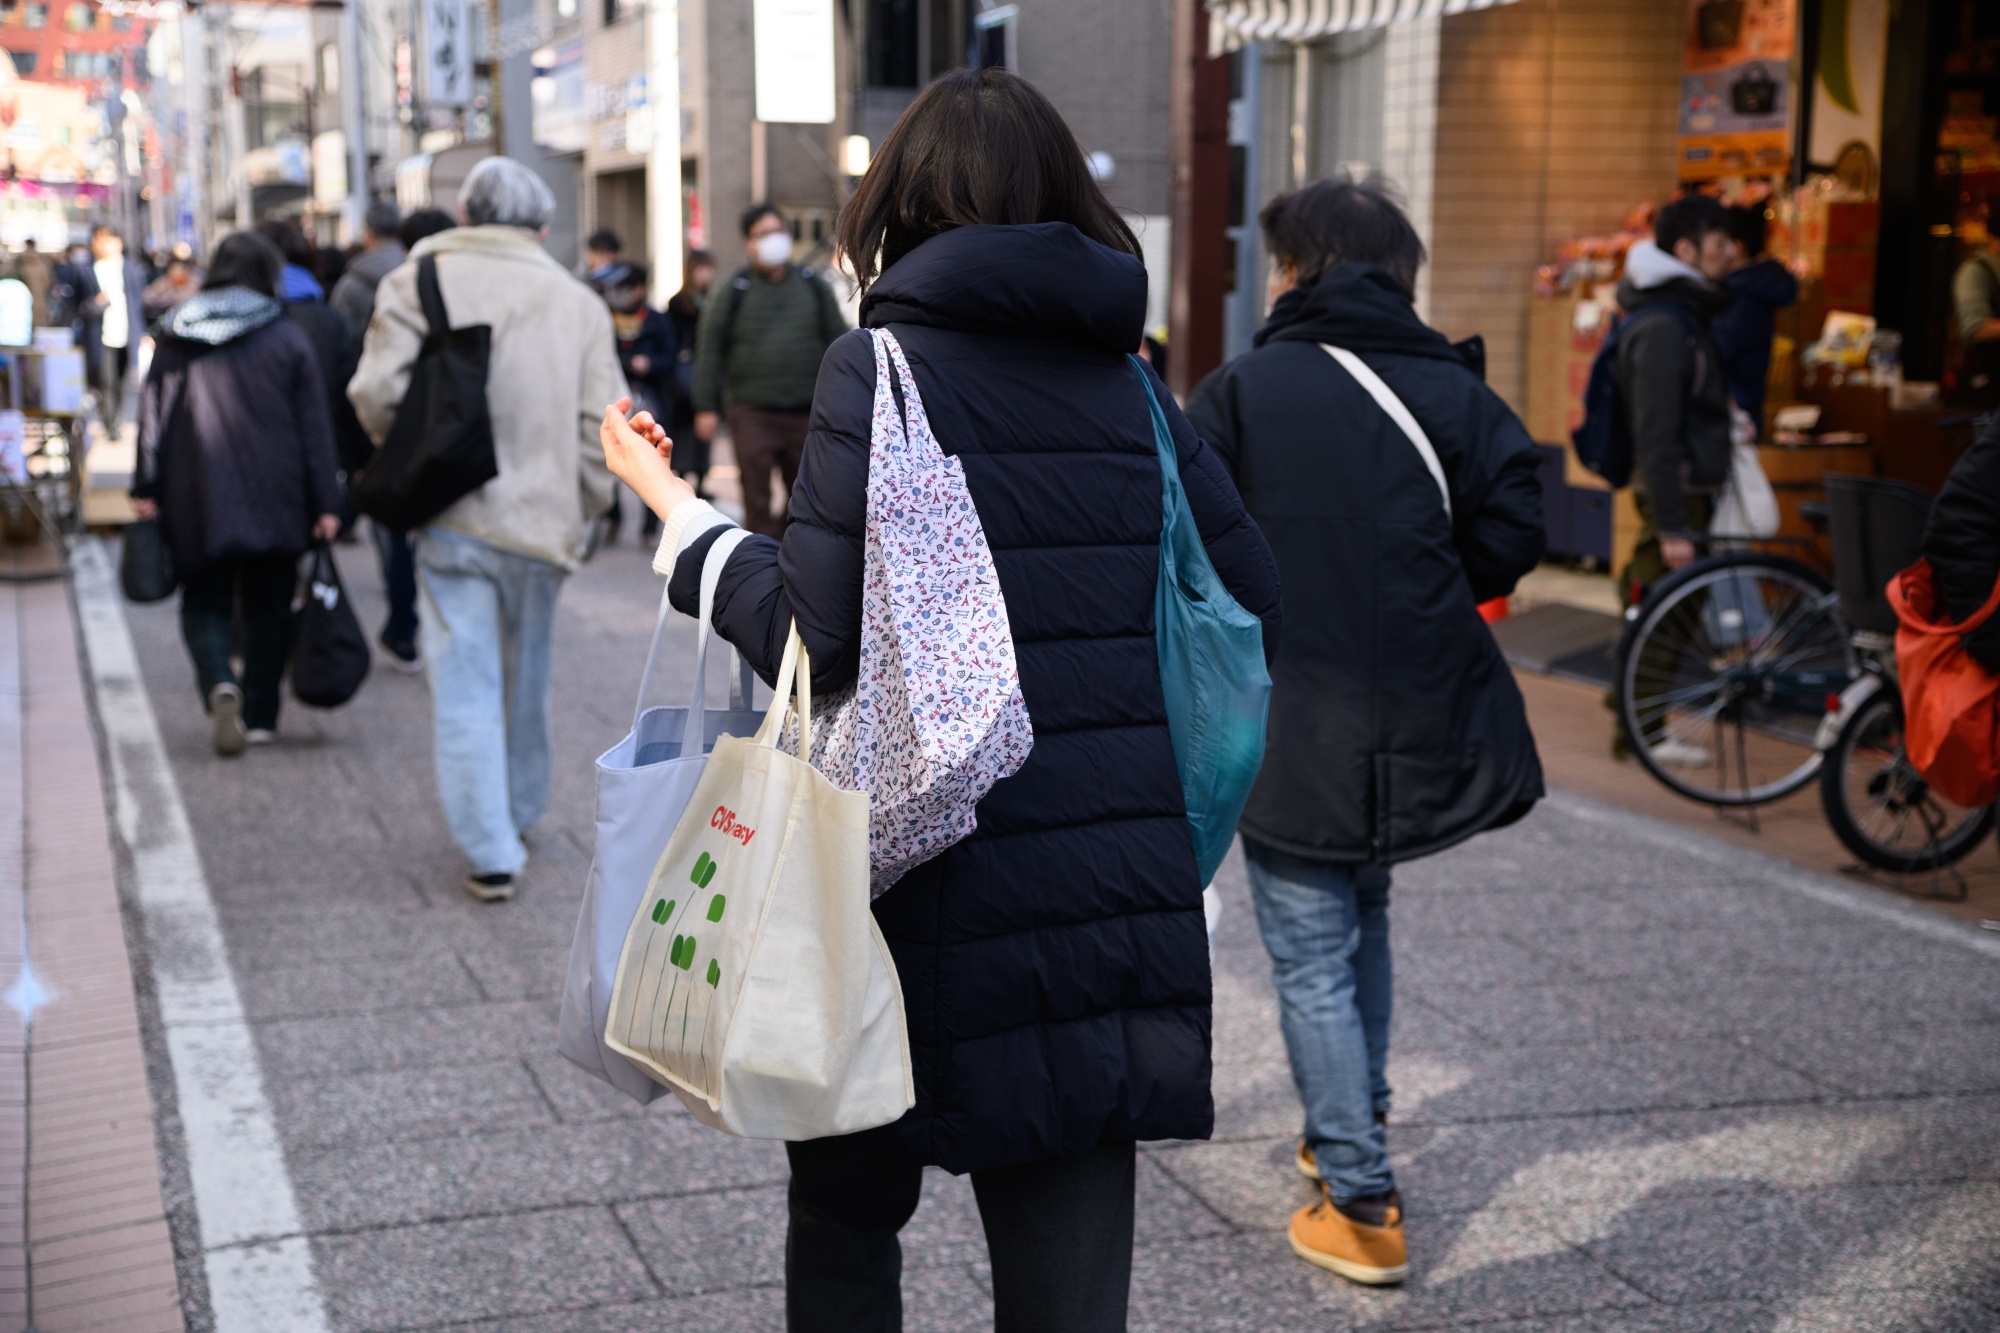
[1724,676]
[1881,808]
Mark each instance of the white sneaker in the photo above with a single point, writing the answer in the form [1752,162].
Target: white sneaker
[259,736]
[1680,754]
[225,720]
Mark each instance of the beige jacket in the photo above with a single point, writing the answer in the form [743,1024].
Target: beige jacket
[554,368]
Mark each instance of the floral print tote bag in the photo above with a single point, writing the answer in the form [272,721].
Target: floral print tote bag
[935,717]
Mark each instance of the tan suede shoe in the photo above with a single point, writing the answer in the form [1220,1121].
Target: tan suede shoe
[1374,1255]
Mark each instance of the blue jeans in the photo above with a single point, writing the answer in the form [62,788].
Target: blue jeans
[1326,925]
[489,625]
[399,581]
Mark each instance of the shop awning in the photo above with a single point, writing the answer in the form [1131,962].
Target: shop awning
[1233,24]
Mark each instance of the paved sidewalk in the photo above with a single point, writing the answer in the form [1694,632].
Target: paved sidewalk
[1645,1080]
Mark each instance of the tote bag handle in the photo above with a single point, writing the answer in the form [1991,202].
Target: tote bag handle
[1386,399]
[794,677]
[711,575]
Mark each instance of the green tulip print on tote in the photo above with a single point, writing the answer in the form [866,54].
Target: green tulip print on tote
[681,1008]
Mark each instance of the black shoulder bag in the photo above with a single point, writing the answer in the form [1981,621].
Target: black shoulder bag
[440,447]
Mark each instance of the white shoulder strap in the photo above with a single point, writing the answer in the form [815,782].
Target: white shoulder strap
[1386,399]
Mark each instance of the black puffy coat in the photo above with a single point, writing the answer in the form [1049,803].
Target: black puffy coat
[338,353]
[235,444]
[1962,540]
[1396,728]
[1054,964]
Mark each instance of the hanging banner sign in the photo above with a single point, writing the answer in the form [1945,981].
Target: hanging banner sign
[1736,93]
[447,60]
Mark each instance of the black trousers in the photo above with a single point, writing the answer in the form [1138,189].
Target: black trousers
[1059,1234]
[264,585]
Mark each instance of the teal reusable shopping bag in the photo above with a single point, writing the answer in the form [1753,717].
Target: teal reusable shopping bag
[1211,667]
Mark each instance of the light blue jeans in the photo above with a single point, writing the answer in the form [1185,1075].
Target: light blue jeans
[489,622]
[1326,926]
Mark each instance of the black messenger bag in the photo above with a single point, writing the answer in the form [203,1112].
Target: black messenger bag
[440,447]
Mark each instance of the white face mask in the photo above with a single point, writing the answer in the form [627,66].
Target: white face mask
[772,249]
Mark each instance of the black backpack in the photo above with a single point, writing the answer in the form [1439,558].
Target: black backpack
[1604,440]
[440,447]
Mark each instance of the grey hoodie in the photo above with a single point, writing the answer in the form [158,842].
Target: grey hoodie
[1671,381]
[354,295]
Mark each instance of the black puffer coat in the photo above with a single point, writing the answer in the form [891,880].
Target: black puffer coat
[1054,965]
[235,444]
[1396,728]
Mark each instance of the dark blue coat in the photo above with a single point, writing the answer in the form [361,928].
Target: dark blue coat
[1396,728]
[1054,965]
[1744,327]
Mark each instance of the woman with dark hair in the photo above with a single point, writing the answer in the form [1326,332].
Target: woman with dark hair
[236,461]
[684,307]
[1054,965]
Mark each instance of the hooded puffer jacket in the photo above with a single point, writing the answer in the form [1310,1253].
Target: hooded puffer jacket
[235,443]
[1396,728]
[1054,965]
[1673,383]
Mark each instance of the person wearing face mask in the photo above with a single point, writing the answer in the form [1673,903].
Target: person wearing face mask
[648,353]
[758,351]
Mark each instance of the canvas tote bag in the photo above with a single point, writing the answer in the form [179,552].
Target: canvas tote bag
[643,785]
[754,981]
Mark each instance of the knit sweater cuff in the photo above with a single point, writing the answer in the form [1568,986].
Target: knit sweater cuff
[689,520]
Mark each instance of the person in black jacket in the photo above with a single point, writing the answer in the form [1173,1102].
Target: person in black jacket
[236,460]
[1672,382]
[1396,729]
[1054,965]
[647,354]
[1962,540]
[691,452]
[1759,287]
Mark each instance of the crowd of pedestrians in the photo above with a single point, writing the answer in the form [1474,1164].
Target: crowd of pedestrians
[1356,486]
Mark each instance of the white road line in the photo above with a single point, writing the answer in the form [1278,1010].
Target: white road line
[1862,901]
[259,1266]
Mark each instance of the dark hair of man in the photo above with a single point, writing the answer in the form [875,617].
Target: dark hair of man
[1689,218]
[1335,221]
[605,242]
[1746,224]
[245,259]
[755,214]
[382,219]
[424,222]
[105,229]
[977,146]
[291,242]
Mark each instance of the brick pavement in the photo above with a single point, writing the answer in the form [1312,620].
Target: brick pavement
[83,1234]
[1645,1081]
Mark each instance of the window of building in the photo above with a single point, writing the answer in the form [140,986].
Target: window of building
[37,15]
[79,17]
[893,37]
[994,37]
[121,23]
[24,62]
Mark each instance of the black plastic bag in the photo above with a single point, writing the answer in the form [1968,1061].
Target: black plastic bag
[440,447]
[330,654]
[146,566]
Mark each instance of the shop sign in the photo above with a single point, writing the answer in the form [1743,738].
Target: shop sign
[561,113]
[793,42]
[1736,93]
[447,52]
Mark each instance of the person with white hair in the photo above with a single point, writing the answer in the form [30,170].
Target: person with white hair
[490,566]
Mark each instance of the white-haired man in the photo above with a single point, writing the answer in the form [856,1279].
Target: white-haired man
[491,565]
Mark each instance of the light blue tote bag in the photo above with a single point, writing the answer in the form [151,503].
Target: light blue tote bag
[1211,667]
[643,784]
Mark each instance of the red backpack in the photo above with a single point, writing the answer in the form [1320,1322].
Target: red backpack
[1951,704]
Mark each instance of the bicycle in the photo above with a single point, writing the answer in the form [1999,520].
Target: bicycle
[1747,675]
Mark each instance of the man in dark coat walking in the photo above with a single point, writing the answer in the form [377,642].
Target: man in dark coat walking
[1396,729]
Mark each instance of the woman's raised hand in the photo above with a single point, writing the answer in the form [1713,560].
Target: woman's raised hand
[639,453]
